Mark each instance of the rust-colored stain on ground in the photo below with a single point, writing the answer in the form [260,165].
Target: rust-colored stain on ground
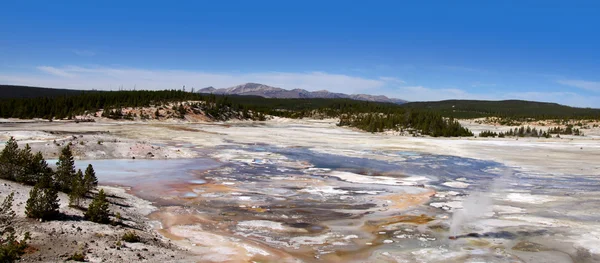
[403,201]
[420,219]
[402,219]
[30,249]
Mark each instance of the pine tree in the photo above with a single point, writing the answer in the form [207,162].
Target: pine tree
[6,213]
[90,180]
[37,170]
[65,170]
[9,158]
[42,203]
[78,189]
[98,210]
[31,167]
[10,152]
[11,249]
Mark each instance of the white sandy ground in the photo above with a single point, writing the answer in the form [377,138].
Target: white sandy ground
[567,155]
[54,241]
[570,154]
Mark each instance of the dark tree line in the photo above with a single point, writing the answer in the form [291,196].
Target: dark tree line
[21,165]
[68,106]
[569,130]
[507,110]
[368,116]
[425,123]
[533,132]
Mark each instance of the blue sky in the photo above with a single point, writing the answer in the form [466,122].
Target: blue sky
[430,50]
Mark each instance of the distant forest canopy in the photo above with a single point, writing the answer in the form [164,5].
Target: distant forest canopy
[508,109]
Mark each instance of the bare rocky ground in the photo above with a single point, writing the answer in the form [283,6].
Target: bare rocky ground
[57,240]
[88,141]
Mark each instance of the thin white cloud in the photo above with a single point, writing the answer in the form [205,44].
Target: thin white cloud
[392,80]
[105,78]
[420,93]
[478,84]
[582,84]
[84,53]
[56,71]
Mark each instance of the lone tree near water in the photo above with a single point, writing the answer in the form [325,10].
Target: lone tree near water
[90,180]
[65,170]
[78,189]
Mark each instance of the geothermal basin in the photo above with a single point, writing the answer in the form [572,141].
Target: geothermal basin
[265,203]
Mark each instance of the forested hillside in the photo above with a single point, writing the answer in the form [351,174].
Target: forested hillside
[12,91]
[517,109]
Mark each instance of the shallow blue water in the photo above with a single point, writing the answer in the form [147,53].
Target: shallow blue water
[480,174]
[438,168]
[131,172]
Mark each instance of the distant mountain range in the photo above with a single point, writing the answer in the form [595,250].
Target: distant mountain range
[255,89]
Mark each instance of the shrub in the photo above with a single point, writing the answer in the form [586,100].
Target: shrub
[131,237]
[42,203]
[80,257]
[487,134]
[98,210]
[117,220]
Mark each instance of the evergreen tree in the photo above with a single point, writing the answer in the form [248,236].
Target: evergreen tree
[65,170]
[31,167]
[11,248]
[522,131]
[38,170]
[24,156]
[10,152]
[78,189]
[9,159]
[6,213]
[90,180]
[42,203]
[98,209]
